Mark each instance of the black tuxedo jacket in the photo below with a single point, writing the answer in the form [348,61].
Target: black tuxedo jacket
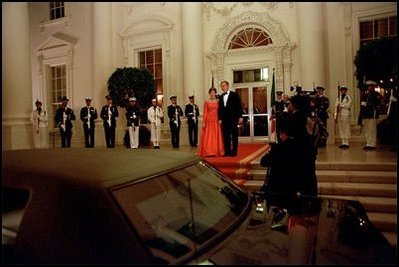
[232,111]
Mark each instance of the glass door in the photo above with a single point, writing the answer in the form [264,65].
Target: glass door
[254,103]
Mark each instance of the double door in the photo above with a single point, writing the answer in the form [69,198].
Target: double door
[255,104]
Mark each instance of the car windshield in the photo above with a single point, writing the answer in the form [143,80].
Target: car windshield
[177,212]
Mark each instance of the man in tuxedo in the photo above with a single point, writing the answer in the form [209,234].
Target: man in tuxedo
[230,118]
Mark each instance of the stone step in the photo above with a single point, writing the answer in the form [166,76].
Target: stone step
[386,222]
[387,177]
[343,166]
[357,189]
[392,238]
[372,204]
[332,188]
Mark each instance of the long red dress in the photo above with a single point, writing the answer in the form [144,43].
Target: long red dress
[211,142]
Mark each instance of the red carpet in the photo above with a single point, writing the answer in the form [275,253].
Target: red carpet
[237,167]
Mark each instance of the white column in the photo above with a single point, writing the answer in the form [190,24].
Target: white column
[311,44]
[102,49]
[102,61]
[17,81]
[193,51]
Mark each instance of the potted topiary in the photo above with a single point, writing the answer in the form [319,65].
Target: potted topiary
[129,82]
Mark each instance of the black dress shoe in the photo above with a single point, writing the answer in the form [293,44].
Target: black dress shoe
[372,148]
[366,148]
[226,155]
[346,146]
[342,146]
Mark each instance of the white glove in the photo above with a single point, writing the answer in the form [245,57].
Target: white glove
[63,127]
[363,103]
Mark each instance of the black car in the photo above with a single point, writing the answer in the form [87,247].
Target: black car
[122,206]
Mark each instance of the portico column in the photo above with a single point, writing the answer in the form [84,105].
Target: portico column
[17,102]
[102,60]
[311,44]
[193,52]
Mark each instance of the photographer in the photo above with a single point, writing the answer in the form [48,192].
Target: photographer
[292,179]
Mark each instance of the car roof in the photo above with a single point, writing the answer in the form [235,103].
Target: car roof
[95,167]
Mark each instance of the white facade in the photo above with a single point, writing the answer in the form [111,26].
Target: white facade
[312,43]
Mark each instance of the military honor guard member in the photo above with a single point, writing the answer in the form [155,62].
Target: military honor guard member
[322,106]
[109,113]
[277,109]
[192,112]
[133,118]
[39,119]
[155,114]
[370,103]
[342,115]
[88,115]
[174,114]
[63,119]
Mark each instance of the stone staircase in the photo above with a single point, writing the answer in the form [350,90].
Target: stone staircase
[372,184]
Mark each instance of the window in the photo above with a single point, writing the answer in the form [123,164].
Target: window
[12,211]
[377,28]
[152,61]
[255,75]
[250,37]
[58,86]
[57,10]
[176,212]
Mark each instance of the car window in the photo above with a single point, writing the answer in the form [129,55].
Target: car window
[176,212]
[14,202]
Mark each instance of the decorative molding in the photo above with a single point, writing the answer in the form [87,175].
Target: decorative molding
[58,49]
[63,22]
[145,25]
[263,20]
[225,9]
[281,47]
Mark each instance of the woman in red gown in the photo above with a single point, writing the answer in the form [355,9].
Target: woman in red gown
[211,142]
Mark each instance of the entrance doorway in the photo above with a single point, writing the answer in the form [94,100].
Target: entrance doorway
[254,103]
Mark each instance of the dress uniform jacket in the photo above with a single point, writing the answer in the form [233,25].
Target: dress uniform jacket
[322,105]
[113,115]
[84,116]
[133,116]
[373,100]
[61,119]
[174,114]
[191,112]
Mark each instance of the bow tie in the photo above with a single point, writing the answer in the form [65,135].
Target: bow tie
[224,94]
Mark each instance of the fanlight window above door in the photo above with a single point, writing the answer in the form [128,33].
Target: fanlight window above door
[250,37]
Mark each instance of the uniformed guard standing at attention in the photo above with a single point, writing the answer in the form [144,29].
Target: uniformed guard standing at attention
[277,110]
[39,119]
[109,113]
[155,115]
[174,114]
[370,103]
[88,115]
[63,119]
[322,106]
[342,115]
[192,112]
[133,122]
